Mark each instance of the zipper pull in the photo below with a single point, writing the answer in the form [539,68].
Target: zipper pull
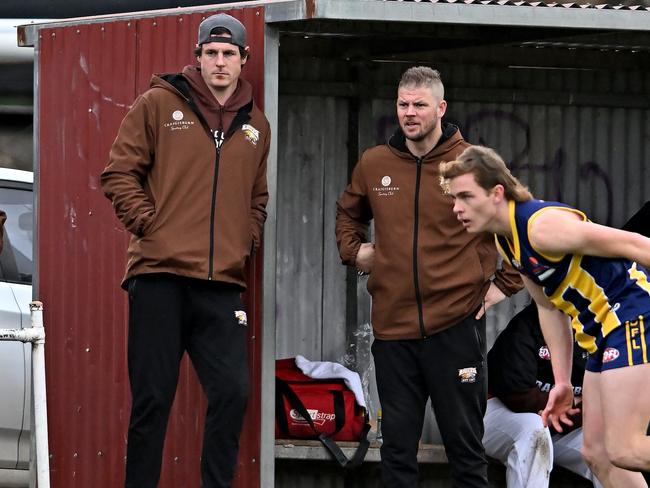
[218,138]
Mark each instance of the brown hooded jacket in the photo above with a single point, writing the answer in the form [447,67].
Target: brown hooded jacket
[428,273]
[193,202]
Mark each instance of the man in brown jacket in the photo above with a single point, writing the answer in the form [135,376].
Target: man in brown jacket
[187,178]
[431,283]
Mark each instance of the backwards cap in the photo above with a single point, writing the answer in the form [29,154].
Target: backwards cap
[224,21]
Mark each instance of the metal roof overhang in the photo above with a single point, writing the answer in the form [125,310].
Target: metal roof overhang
[517,14]
[504,13]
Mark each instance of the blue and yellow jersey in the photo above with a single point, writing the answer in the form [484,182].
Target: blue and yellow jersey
[599,294]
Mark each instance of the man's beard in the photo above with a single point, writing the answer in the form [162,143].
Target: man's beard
[423,134]
[420,137]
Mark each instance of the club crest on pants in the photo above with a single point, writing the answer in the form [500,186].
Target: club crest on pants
[467,375]
[240,315]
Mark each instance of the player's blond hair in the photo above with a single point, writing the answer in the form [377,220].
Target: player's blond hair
[488,169]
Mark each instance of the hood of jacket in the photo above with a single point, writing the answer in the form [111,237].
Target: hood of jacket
[190,85]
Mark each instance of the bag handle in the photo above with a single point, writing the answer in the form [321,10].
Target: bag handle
[283,390]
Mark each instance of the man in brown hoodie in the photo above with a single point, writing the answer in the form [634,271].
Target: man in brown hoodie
[431,283]
[187,178]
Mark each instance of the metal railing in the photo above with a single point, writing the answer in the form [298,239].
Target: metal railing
[36,335]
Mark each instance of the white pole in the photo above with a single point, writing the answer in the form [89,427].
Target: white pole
[36,335]
[40,397]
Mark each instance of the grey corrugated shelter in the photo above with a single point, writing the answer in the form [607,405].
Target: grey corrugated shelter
[559,89]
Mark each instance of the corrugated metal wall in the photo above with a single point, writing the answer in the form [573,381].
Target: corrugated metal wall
[312,155]
[88,75]
[580,136]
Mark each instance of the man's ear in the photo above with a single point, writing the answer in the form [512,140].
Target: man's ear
[499,192]
[442,108]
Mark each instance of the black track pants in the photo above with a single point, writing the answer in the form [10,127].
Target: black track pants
[450,368]
[169,315]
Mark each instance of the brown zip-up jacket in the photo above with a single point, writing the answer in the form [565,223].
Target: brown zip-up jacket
[428,272]
[194,205]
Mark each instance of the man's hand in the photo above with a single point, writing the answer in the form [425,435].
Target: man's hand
[365,258]
[492,297]
[559,407]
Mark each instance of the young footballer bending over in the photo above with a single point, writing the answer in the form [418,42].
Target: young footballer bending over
[592,276]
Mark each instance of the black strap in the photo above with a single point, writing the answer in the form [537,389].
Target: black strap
[284,390]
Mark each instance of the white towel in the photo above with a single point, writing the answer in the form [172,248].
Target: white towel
[325,370]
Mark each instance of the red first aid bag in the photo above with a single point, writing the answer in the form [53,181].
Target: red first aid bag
[327,410]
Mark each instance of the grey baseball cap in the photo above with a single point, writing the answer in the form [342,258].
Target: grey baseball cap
[225,21]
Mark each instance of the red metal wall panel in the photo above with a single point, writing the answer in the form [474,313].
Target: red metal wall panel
[88,75]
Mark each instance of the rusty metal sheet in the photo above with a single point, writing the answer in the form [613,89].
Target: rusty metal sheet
[88,76]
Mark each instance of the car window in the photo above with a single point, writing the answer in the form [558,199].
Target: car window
[16,258]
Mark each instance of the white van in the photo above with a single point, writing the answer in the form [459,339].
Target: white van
[16,269]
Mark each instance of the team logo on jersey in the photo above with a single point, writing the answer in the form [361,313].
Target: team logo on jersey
[546,387]
[540,270]
[251,133]
[544,353]
[387,188]
[241,317]
[177,115]
[467,375]
[610,354]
